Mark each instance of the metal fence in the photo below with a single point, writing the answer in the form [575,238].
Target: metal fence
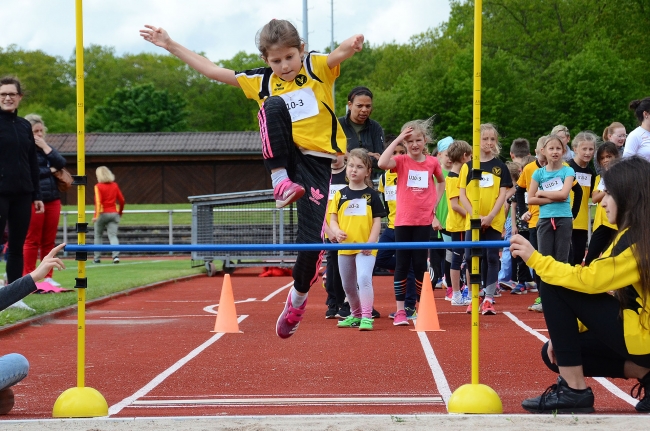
[242,218]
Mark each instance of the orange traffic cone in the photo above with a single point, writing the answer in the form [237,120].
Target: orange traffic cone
[427,313]
[227,315]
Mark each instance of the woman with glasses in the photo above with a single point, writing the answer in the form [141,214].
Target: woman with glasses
[638,141]
[19,175]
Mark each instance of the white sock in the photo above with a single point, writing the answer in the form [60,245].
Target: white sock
[296,299]
[278,176]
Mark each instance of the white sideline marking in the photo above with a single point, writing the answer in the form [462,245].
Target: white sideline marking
[615,390]
[112,265]
[284,401]
[436,369]
[210,308]
[278,291]
[116,408]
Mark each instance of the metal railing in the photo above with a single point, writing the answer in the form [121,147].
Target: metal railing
[170,212]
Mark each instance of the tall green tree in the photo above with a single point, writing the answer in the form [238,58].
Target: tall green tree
[140,108]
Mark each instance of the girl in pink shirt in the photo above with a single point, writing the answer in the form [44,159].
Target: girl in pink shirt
[417,198]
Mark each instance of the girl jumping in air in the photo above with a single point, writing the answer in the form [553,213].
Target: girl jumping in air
[355,216]
[300,133]
[417,198]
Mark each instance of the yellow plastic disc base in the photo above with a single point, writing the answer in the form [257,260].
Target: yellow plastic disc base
[477,399]
[80,403]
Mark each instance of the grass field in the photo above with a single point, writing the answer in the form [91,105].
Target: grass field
[103,279]
[232,216]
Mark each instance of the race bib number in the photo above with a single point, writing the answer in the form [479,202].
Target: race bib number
[418,179]
[333,189]
[487,180]
[390,193]
[601,185]
[583,179]
[553,185]
[356,207]
[301,104]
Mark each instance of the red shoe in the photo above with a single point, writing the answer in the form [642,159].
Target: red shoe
[487,308]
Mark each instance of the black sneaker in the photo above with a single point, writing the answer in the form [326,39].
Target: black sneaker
[97,261]
[375,314]
[332,309]
[560,398]
[643,406]
[344,311]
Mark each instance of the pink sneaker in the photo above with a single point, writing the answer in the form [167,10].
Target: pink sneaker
[287,192]
[400,318]
[289,319]
[487,309]
[449,294]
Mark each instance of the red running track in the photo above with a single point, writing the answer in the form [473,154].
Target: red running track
[152,353]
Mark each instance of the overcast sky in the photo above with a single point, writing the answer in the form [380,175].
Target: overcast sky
[220,28]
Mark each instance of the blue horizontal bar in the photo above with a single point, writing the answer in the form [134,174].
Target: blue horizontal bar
[288,247]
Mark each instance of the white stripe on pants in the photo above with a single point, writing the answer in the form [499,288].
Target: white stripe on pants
[356,270]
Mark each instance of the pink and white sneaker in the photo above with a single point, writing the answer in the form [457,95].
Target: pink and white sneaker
[449,294]
[287,192]
[289,319]
[400,318]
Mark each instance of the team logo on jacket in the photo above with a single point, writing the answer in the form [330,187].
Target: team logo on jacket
[496,171]
[301,80]
[367,197]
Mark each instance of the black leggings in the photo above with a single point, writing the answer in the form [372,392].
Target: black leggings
[603,352]
[15,209]
[313,173]
[519,268]
[578,245]
[406,258]
[600,240]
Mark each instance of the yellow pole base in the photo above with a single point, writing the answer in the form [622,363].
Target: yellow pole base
[477,399]
[80,403]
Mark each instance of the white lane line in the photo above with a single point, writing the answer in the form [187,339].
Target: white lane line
[211,308]
[116,408]
[99,265]
[278,291]
[271,401]
[436,369]
[615,390]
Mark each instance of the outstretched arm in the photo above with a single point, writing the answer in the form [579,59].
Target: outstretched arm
[345,50]
[159,37]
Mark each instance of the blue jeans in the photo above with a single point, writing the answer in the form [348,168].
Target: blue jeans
[13,368]
[386,259]
[505,273]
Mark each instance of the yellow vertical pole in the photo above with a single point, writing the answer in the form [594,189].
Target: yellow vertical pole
[81,401]
[81,197]
[475,397]
[474,189]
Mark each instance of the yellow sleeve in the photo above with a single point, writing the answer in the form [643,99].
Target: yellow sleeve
[333,206]
[602,275]
[250,82]
[462,177]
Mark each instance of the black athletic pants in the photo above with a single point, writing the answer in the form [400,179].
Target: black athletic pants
[313,173]
[15,209]
[600,240]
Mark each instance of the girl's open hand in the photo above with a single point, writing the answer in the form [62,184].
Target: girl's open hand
[156,35]
[405,134]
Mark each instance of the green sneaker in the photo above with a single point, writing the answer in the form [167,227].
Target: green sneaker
[349,322]
[366,324]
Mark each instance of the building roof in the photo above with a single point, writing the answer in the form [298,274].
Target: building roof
[221,143]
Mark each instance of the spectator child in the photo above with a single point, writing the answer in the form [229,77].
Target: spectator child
[417,198]
[495,180]
[584,145]
[355,217]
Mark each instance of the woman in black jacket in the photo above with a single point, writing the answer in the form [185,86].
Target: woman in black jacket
[43,227]
[19,175]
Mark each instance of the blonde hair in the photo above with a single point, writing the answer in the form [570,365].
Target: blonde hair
[560,128]
[422,126]
[584,137]
[104,175]
[35,119]
[550,138]
[540,143]
[362,154]
[609,130]
[487,127]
